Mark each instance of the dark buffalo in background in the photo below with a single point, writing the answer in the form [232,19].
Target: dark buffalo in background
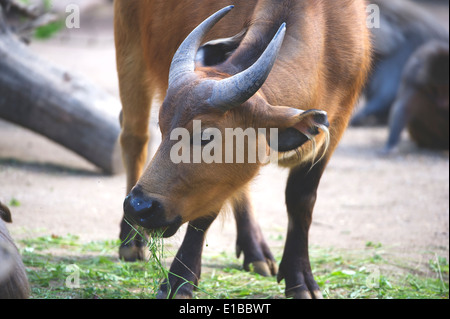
[402,49]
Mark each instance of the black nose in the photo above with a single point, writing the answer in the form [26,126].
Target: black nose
[143,210]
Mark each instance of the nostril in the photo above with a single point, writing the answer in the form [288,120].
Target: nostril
[142,210]
[140,205]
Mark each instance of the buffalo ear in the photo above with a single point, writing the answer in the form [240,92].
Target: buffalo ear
[296,127]
[218,51]
[290,139]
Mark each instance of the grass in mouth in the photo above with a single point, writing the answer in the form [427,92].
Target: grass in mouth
[64,267]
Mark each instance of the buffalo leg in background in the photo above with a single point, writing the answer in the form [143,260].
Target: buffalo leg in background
[250,239]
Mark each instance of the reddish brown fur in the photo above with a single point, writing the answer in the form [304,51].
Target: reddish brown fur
[323,71]
[323,64]
[147,35]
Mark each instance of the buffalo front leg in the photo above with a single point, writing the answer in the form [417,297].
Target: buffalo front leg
[134,148]
[295,266]
[250,239]
[136,91]
[185,270]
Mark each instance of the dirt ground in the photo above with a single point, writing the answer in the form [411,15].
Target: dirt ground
[400,201]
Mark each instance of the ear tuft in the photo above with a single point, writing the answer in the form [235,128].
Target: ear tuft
[305,125]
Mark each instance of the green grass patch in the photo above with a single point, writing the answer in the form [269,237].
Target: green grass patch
[63,267]
[49,30]
[376,274]
[14,202]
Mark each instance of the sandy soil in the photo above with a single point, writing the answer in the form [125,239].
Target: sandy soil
[400,201]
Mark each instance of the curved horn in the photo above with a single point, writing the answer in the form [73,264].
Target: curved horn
[184,59]
[234,91]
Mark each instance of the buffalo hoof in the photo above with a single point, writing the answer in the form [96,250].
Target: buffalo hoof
[304,294]
[300,283]
[180,296]
[132,253]
[257,256]
[264,268]
[177,287]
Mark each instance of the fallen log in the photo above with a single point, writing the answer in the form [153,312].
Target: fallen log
[64,107]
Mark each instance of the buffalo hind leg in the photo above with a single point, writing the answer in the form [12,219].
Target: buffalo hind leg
[185,270]
[250,240]
[295,267]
